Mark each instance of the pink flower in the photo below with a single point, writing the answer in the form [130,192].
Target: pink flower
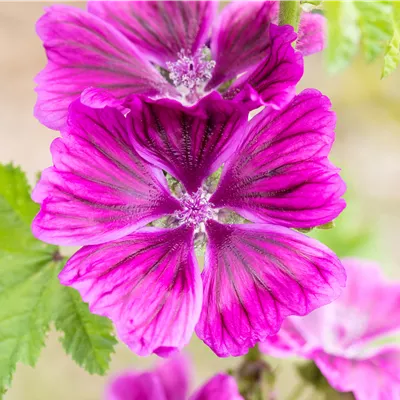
[170,381]
[107,184]
[340,337]
[164,49]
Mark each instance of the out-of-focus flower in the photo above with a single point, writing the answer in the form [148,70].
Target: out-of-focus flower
[340,337]
[107,182]
[164,49]
[170,381]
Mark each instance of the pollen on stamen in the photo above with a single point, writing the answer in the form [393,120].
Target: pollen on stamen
[191,72]
[195,208]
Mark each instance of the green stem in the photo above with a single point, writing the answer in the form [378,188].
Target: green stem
[297,391]
[254,354]
[289,13]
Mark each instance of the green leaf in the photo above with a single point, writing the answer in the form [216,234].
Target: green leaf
[312,2]
[25,314]
[26,273]
[343,33]
[392,53]
[16,213]
[31,296]
[375,26]
[355,23]
[87,337]
[15,193]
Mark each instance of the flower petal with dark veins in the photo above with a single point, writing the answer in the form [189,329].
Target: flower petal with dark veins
[84,51]
[188,142]
[240,38]
[272,82]
[281,173]
[160,29]
[256,275]
[147,283]
[99,188]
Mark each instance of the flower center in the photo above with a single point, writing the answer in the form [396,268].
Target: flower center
[190,72]
[195,208]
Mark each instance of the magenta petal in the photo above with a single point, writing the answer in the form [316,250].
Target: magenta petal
[288,342]
[240,38]
[175,376]
[372,313]
[84,51]
[336,336]
[376,378]
[100,98]
[347,326]
[281,173]
[255,275]
[219,387]
[147,283]
[272,82]
[311,33]
[169,381]
[188,142]
[160,29]
[99,188]
[135,386]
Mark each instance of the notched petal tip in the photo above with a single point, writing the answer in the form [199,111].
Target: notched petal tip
[190,143]
[281,173]
[257,275]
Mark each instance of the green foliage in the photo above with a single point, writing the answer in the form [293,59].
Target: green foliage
[392,53]
[376,29]
[25,273]
[343,33]
[365,25]
[30,295]
[312,2]
[16,213]
[25,314]
[87,337]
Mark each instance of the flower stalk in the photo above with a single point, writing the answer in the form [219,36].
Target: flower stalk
[255,376]
[289,13]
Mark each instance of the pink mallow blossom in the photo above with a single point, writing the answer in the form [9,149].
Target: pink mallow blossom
[345,339]
[176,49]
[108,183]
[170,380]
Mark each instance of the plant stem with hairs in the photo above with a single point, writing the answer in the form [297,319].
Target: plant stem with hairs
[289,13]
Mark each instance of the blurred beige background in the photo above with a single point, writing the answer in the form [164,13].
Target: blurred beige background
[367,149]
